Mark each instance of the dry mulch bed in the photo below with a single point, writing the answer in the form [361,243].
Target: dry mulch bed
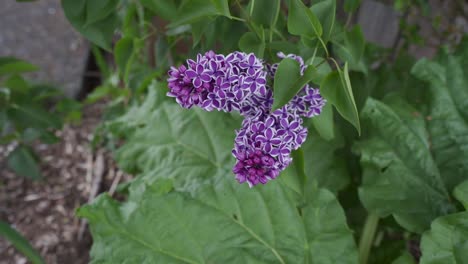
[44,211]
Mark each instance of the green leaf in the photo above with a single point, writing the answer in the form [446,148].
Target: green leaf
[446,242]
[222,6]
[220,223]
[249,42]
[448,119]
[301,20]
[23,162]
[163,8]
[405,258]
[24,116]
[167,141]
[99,10]
[10,66]
[123,51]
[289,81]
[351,49]
[461,193]
[351,5]
[194,10]
[96,20]
[324,163]
[20,243]
[325,11]
[336,88]
[324,123]
[265,12]
[399,175]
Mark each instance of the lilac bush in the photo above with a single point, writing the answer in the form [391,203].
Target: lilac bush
[243,83]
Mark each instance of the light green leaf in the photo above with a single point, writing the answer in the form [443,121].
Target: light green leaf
[265,12]
[399,175]
[336,88]
[97,25]
[447,122]
[289,81]
[220,223]
[10,65]
[23,162]
[249,42]
[20,243]
[301,20]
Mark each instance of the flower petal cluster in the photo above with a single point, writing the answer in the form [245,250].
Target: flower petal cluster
[239,82]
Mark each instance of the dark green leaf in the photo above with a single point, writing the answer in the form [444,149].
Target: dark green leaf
[23,162]
[24,116]
[265,12]
[194,10]
[249,42]
[163,8]
[99,10]
[220,223]
[289,81]
[301,20]
[323,162]
[461,193]
[123,50]
[405,258]
[336,88]
[325,11]
[351,49]
[20,243]
[96,25]
[222,6]
[10,66]
[351,5]
[324,123]
[399,175]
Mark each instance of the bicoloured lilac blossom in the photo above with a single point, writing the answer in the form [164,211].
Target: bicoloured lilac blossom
[238,82]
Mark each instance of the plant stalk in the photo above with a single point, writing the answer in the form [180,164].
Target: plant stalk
[368,233]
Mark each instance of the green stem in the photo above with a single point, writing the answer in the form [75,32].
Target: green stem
[368,233]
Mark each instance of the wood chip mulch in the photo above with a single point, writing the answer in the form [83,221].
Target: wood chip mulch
[44,211]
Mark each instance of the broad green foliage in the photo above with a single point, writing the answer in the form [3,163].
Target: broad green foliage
[400,177]
[20,243]
[265,12]
[447,241]
[10,65]
[167,141]
[220,223]
[23,161]
[448,124]
[302,22]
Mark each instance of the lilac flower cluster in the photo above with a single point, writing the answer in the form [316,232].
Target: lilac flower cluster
[238,82]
